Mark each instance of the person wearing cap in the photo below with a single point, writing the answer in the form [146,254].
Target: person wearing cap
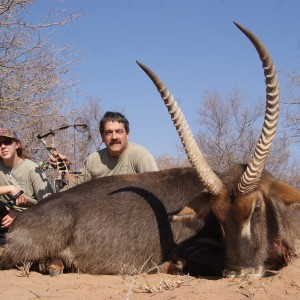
[20,178]
[118,157]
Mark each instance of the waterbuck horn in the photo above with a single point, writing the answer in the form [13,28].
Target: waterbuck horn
[206,175]
[251,177]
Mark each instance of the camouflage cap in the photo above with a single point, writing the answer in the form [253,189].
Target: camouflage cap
[8,133]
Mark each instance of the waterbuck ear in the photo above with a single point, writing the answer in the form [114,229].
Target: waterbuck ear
[280,190]
[199,208]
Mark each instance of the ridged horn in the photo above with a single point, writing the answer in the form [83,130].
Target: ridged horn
[210,180]
[251,177]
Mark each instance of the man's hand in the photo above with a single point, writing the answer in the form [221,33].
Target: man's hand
[58,160]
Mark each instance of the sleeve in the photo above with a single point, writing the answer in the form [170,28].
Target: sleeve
[145,162]
[40,184]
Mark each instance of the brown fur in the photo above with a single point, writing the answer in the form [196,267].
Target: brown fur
[261,227]
[120,224]
[112,225]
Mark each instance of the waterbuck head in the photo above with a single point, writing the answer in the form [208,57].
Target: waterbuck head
[257,213]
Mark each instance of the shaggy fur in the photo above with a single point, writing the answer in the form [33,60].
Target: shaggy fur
[121,224]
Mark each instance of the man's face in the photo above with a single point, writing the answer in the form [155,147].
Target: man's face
[115,138]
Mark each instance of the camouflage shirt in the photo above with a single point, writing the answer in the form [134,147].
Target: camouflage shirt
[27,176]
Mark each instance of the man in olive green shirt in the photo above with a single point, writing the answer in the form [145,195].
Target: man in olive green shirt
[119,156]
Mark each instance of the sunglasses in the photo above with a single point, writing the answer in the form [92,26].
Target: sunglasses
[7,142]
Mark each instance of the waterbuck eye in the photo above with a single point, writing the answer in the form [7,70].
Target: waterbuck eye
[257,207]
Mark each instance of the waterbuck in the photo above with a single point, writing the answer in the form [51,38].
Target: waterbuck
[259,216]
[182,220]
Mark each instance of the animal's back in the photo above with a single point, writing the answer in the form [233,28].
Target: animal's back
[109,225]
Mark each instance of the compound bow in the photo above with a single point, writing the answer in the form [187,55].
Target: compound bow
[47,138]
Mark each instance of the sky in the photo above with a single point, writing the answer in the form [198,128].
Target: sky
[192,45]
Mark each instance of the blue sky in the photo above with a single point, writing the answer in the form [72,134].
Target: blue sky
[192,45]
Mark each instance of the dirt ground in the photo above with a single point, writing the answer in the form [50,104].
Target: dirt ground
[284,284]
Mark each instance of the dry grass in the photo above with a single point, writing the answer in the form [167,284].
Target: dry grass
[25,269]
[154,283]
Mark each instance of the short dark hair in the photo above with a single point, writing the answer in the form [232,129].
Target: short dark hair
[115,117]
